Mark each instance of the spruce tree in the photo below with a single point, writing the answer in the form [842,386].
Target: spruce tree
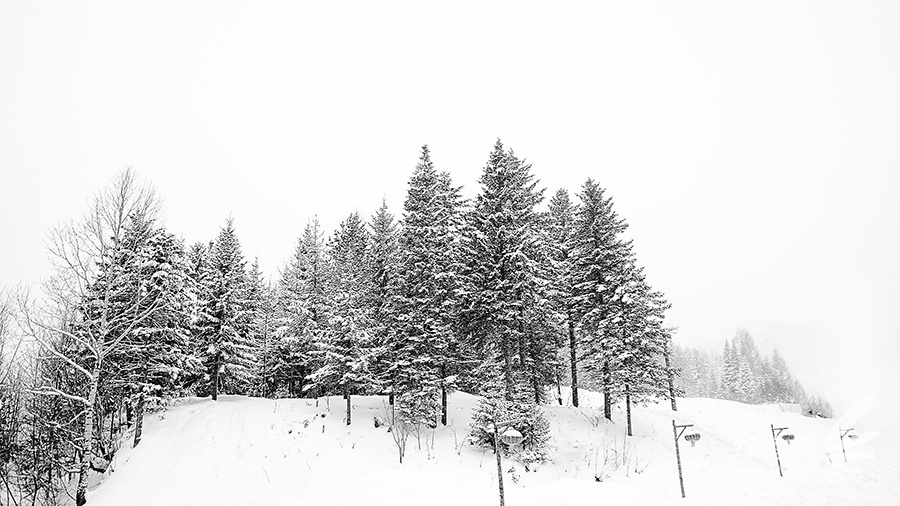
[225,319]
[508,317]
[601,261]
[419,332]
[383,265]
[506,283]
[422,339]
[559,229]
[300,313]
[448,267]
[261,307]
[640,371]
[346,346]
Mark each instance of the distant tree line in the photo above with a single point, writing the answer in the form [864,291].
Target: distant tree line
[741,373]
[498,296]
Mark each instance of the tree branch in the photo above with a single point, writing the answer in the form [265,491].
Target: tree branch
[51,391]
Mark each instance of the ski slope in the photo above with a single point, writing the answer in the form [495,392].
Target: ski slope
[249,451]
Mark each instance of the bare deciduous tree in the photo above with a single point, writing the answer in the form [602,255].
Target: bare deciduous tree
[78,303]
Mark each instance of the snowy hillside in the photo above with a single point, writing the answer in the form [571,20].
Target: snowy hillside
[248,451]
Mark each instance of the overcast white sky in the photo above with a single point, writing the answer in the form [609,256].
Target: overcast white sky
[753,147]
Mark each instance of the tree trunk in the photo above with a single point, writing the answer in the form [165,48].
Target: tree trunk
[574,362]
[607,392]
[129,414]
[628,408]
[215,377]
[112,415]
[443,395]
[347,395]
[139,418]
[88,451]
[558,388]
[507,358]
[671,375]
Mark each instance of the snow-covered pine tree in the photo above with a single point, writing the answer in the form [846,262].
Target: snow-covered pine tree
[749,367]
[262,306]
[300,312]
[640,371]
[601,259]
[225,320]
[559,225]
[448,234]
[423,333]
[383,266]
[518,409]
[198,271]
[506,286]
[730,387]
[346,346]
[781,380]
[155,360]
[766,382]
[507,316]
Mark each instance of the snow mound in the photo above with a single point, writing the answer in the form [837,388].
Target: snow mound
[249,451]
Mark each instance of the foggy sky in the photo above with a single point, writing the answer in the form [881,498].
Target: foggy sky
[751,146]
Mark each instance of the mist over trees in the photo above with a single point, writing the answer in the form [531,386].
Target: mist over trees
[509,295]
[741,373]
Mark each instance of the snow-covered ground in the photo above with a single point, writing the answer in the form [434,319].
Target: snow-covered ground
[247,451]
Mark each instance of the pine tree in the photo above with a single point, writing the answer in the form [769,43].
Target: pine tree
[506,287]
[225,318]
[155,360]
[346,346]
[300,313]
[601,259]
[560,223]
[508,315]
[422,331]
[261,307]
[782,384]
[729,387]
[641,369]
[448,267]
[496,408]
[383,265]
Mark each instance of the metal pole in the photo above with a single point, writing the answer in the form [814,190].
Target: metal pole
[678,458]
[775,441]
[841,431]
[499,466]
